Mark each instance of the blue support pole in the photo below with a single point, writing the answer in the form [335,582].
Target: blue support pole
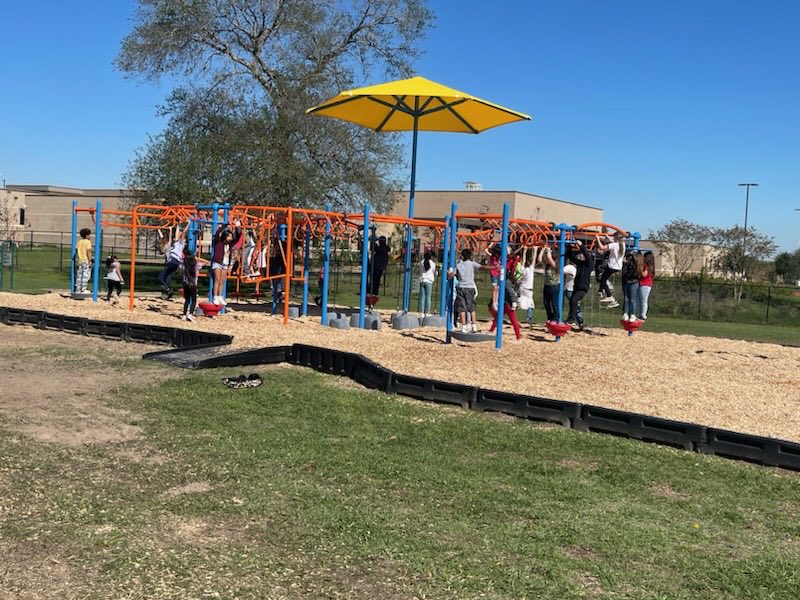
[562,245]
[451,267]
[214,223]
[306,267]
[410,234]
[74,244]
[636,237]
[326,260]
[501,292]
[445,261]
[225,209]
[98,216]
[364,266]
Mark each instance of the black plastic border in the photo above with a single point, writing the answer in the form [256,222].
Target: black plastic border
[129,332]
[689,436]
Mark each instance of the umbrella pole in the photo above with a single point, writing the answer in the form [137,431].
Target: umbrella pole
[410,234]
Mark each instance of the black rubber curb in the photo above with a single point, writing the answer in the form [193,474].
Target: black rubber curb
[581,417]
[129,332]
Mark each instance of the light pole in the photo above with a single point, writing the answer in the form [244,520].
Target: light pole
[747,187]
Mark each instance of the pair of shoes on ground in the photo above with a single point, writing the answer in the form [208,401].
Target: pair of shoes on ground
[187,317]
[243,381]
[220,301]
[469,328]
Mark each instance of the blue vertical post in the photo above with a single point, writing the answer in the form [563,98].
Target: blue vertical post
[326,261]
[410,234]
[451,267]
[225,208]
[364,265]
[562,247]
[214,223]
[445,262]
[636,237]
[74,245]
[501,292]
[98,235]
[562,241]
[306,267]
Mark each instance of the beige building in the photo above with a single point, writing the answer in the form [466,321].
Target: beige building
[433,204]
[47,214]
[677,260]
[12,214]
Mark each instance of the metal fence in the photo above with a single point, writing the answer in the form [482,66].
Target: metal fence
[688,298]
[715,300]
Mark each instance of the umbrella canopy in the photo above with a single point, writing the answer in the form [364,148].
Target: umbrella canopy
[412,105]
[416,103]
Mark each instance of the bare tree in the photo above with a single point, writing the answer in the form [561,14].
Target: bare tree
[683,244]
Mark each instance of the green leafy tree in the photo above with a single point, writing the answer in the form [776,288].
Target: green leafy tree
[787,266]
[249,69]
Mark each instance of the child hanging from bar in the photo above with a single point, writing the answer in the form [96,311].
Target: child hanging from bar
[509,305]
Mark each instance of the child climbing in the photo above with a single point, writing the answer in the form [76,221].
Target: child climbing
[509,308]
[174,260]
[616,253]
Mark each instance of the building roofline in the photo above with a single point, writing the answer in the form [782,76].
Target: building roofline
[508,192]
[57,190]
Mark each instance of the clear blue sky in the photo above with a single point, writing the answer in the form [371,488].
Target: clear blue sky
[649,110]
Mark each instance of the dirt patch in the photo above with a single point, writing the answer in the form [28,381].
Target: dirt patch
[665,490]
[56,386]
[581,552]
[196,487]
[576,464]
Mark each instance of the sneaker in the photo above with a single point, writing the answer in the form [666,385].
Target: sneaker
[613,304]
[474,328]
[170,292]
[632,319]
[218,300]
[625,317]
[223,301]
[607,300]
[184,317]
[465,329]
[189,318]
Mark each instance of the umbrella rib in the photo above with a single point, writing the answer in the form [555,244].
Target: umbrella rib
[449,107]
[395,107]
[332,104]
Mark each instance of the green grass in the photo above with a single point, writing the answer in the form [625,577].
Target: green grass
[307,488]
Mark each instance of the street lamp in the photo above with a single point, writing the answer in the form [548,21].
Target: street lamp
[747,187]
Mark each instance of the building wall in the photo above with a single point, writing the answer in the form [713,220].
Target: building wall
[12,210]
[48,218]
[436,204]
[700,258]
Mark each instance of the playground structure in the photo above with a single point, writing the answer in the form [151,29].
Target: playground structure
[276,244]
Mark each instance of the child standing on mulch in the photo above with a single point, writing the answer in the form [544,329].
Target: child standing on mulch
[191,269]
[83,256]
[114,279]
[466,290]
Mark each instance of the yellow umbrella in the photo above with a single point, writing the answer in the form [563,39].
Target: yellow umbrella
[411,105]
[416,103]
